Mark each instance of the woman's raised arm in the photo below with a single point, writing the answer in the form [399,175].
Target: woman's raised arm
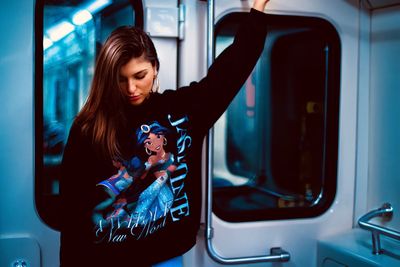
[207,99]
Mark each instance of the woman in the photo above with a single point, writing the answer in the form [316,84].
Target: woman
[149,211]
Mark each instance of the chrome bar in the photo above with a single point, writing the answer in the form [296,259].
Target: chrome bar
[210,32]
[386,211]
[276,254]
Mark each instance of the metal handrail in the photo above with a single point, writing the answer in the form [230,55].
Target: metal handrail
[386,211]
[277,254]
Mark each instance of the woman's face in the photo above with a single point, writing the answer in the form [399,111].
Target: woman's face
[154,142]
[136,79]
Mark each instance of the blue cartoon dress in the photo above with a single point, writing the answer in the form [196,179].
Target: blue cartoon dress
[152,203]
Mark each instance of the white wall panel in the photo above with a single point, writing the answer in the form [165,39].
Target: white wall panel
[384,154]
[18,217]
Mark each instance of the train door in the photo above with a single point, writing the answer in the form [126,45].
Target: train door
[281,159]
[47,65]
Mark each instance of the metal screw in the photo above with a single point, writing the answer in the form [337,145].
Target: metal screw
[20,263]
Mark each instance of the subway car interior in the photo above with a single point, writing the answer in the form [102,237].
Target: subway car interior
[302,169]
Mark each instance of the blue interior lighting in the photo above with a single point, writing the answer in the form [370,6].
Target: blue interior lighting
[47,43]
[60,30]
[97,5]
[81,17]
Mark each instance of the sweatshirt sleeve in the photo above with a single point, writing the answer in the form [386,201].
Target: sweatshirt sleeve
[72,169]
[207,99]
[78,174]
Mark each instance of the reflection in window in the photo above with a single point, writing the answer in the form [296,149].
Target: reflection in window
[275,149]
[72,33]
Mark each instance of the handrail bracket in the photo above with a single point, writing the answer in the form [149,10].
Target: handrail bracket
[386,212]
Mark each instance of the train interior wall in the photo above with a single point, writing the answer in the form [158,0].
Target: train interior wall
[22,232]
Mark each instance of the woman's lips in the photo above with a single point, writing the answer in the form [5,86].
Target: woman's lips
[134,98]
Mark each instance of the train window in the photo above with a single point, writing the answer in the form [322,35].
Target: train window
[275,148]
[68,35]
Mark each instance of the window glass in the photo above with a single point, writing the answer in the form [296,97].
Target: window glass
[275,148]
[71,33]
[68,65]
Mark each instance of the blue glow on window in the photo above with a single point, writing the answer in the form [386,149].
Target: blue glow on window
[97,5]
[81,17]
[47,43]
[60,30]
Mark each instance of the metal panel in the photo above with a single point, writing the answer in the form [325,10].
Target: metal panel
[17,205]
[161,21]
[384,110]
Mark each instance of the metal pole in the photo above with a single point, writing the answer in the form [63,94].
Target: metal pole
[276,254]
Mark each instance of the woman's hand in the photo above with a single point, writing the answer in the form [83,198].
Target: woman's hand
[260,5]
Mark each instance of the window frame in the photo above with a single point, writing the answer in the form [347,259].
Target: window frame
[47,205]
[331,121]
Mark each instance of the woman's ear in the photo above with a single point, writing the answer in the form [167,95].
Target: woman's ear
[155,71]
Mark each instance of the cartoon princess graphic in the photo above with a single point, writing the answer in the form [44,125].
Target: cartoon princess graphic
[140,191]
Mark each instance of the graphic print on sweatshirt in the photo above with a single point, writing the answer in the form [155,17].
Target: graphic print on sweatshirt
[147,193]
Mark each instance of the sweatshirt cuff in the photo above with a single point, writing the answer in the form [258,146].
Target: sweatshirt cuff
[258,19]
[259,15]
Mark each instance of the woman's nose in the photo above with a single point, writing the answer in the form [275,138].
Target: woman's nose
[131,86]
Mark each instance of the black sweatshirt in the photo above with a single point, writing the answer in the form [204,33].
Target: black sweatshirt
[146,208]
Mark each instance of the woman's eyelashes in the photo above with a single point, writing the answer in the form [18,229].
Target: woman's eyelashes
[138,76]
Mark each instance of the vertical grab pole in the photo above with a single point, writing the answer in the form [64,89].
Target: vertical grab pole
[210,32]
[277,254]
[210,138]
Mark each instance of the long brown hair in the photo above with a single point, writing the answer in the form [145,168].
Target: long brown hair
[103,113]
